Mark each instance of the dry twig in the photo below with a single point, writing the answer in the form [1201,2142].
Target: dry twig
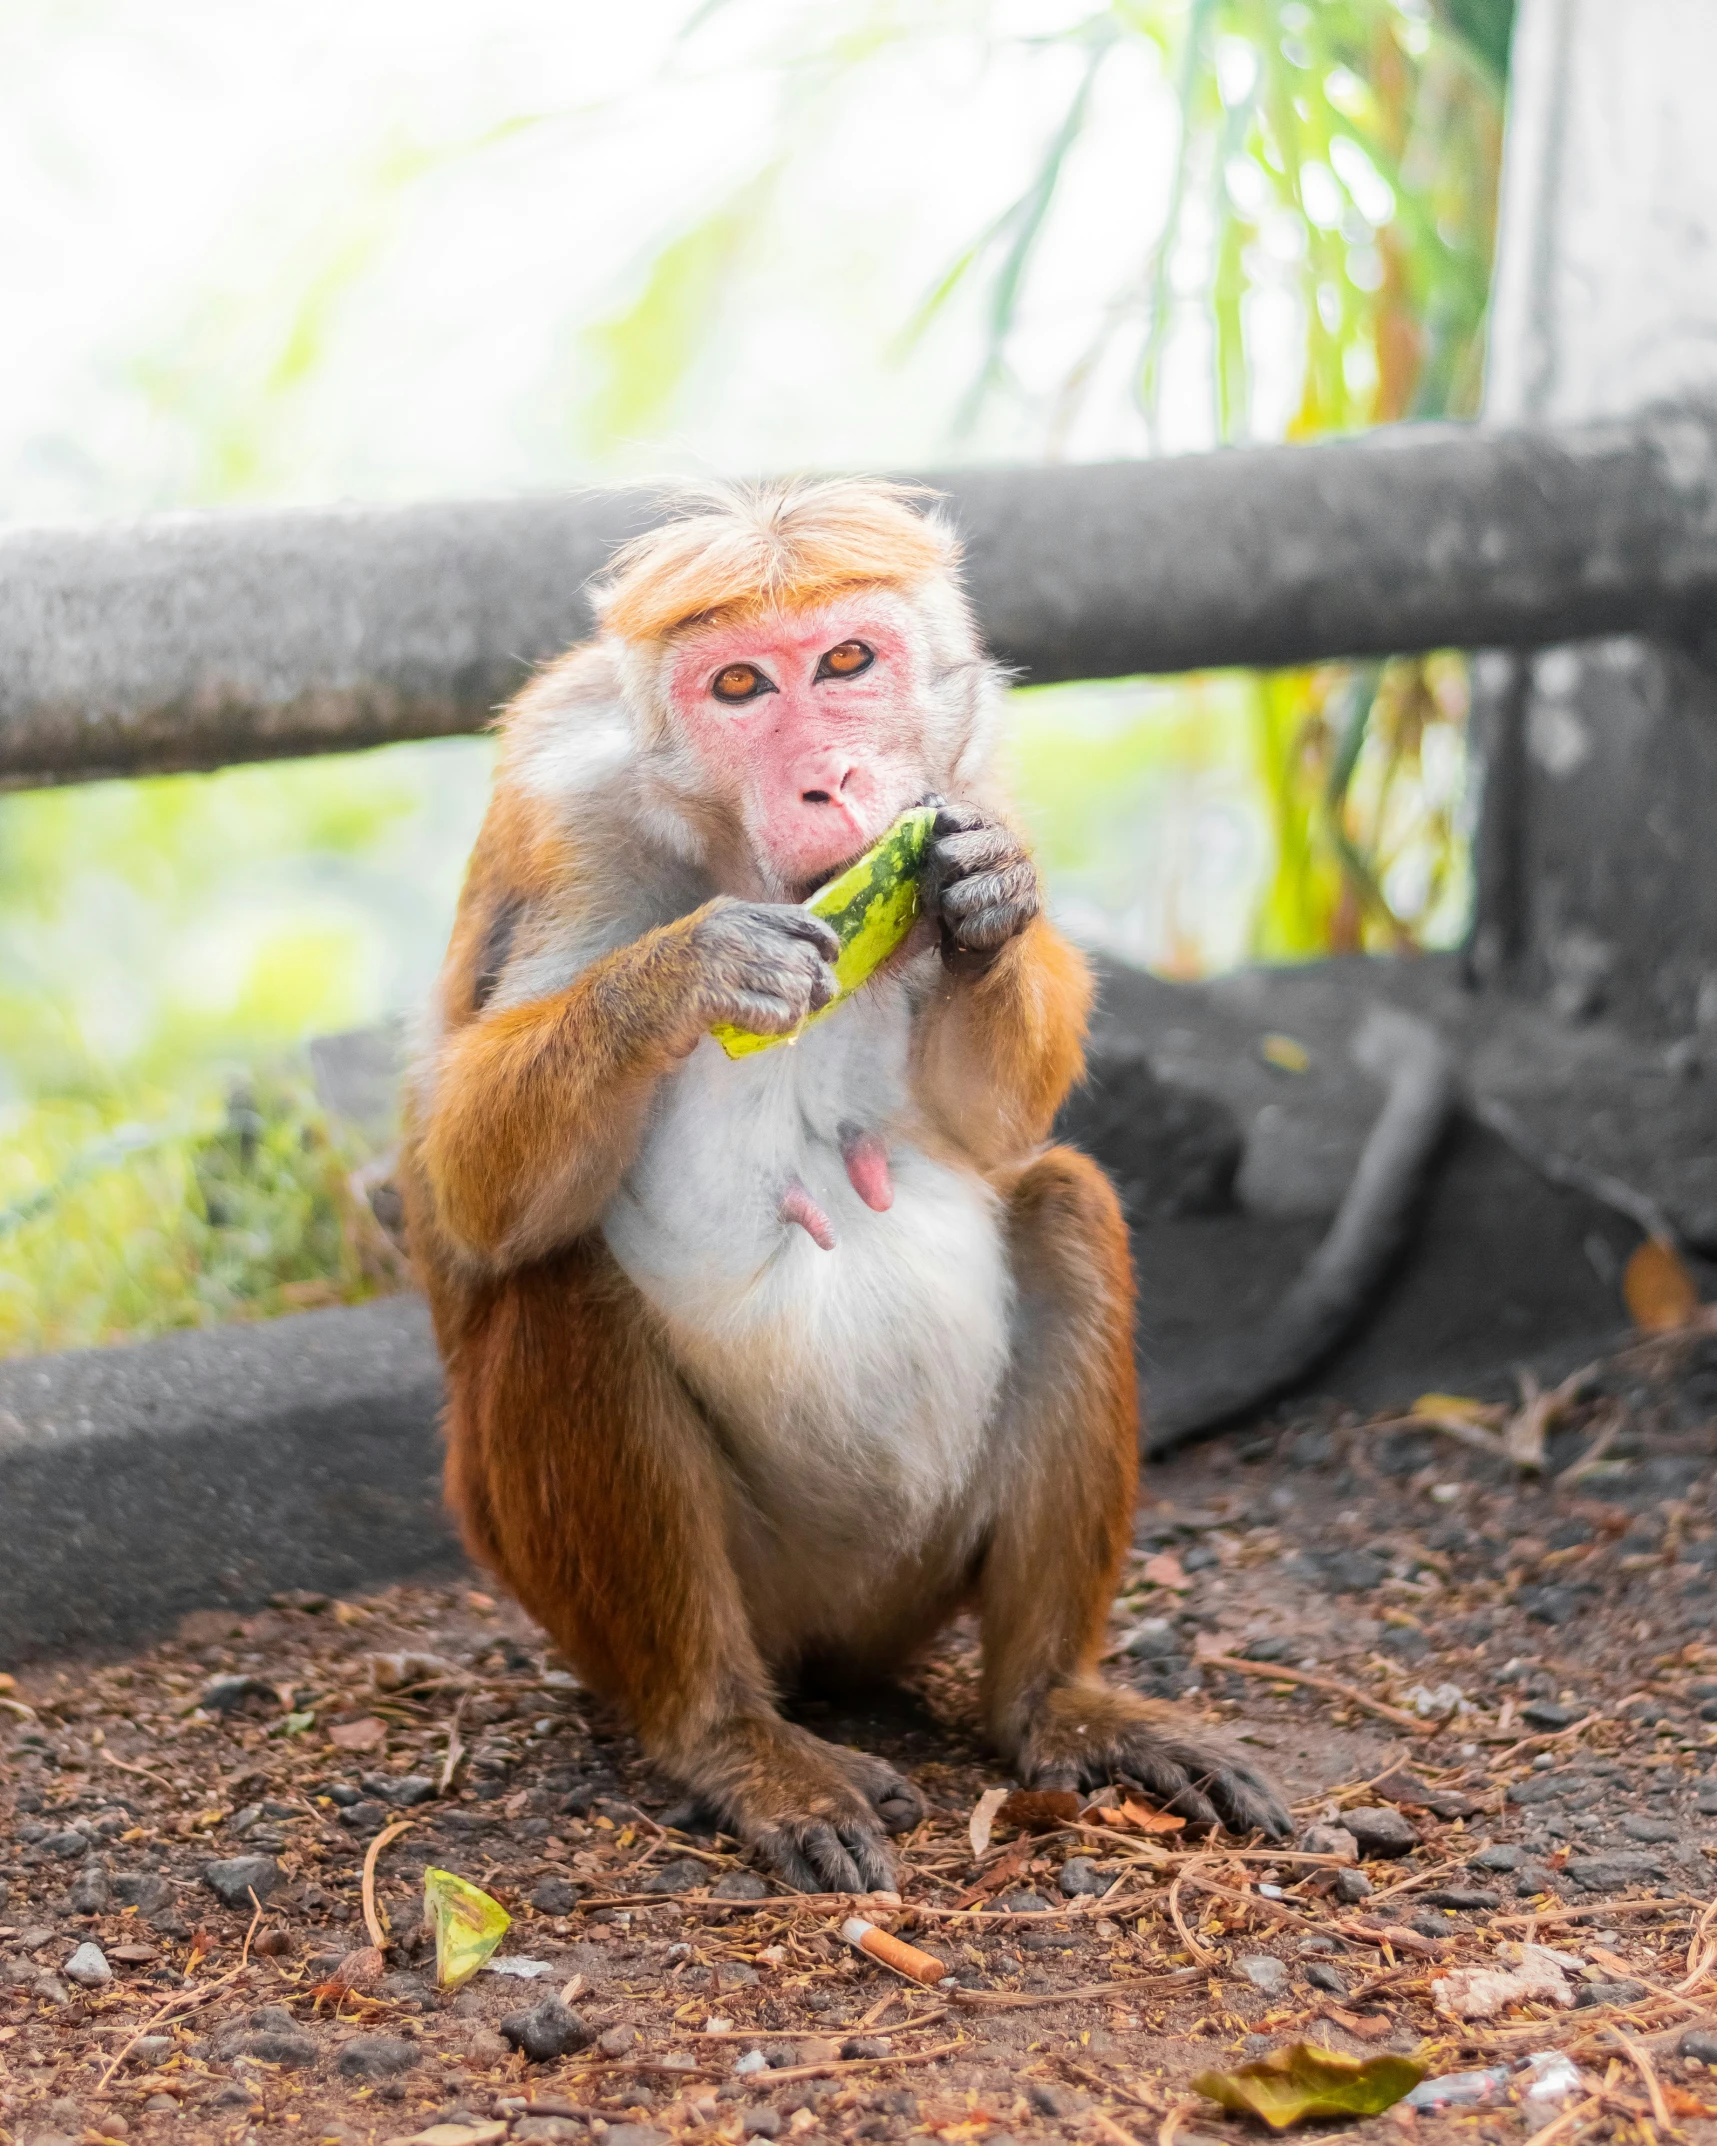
[1278,1673]
[372,1914]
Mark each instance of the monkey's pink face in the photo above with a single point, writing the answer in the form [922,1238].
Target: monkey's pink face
[812,723]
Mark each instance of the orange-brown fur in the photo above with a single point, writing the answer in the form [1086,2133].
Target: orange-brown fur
[590,1474]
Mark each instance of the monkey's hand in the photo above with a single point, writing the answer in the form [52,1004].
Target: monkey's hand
[762,966]
[979,886]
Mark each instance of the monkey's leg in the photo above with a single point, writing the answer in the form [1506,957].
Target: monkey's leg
[1068,1449]
[586,1477]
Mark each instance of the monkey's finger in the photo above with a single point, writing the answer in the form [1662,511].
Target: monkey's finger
[821,1847]
[802,924]
[956,819]
[803,979]
[759,1014]
[982,849]
[1244,1801]
[990,890]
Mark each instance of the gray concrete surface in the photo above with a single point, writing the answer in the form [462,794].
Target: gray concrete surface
[191,640]
[216,1468]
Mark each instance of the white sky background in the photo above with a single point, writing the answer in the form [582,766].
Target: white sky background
[185,183]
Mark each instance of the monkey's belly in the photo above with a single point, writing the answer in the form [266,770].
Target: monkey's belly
[854,1387]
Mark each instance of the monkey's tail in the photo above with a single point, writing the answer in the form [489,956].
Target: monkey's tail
[1343,1276]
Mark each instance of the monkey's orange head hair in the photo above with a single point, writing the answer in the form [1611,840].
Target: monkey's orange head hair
[734,550]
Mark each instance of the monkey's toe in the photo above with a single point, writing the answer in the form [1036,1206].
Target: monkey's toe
[816,1856]
[1229,1790]
[893,1798]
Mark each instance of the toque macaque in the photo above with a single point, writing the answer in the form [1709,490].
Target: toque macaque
[768,1365]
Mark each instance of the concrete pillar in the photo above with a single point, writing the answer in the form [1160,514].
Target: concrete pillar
[1597,856]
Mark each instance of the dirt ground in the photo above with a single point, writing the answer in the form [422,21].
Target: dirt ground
[1508,1661]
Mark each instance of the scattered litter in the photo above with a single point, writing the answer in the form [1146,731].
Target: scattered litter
[1483,1992]
[1432,1702]
[984,1817]
[515,1963]
[1549,2076]
[1455,2089]
[894,1952]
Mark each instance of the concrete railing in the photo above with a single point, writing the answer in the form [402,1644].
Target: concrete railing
[195,640]
[143,1480]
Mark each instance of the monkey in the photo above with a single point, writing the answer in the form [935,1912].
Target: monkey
[767,1367]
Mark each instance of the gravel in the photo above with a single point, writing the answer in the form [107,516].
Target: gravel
[1380,1830]
[235,1878]
[546,2031]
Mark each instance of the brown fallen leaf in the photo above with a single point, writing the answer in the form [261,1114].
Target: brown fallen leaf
[1682,2103]
[1139,1817]
[1164,1570]
[1657,1289]
[1368,2026]
[365,1734]
[358,1971]
[1041,1810]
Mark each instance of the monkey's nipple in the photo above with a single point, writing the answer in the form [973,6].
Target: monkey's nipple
[867,1168]
[798,1206]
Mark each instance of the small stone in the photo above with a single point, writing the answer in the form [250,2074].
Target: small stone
[1330,1840]
[160,2105]
[377,2056]
[1057,2101]
[229,1695]
[1380,1830]
[1705,1803]
[634,2135]
[365,1816]
[1499,1856]
[288,2047]
[233,1880]
[741,1885]
[1700,2044]
[1540,1788]
[1351,1887]
[1154,1640]
[50,1989]
[150,2049]
[555,1896]
[1603,1873]
[1264,1973]
[761,2124]
[615,2041]
[1352,1572]
[864,2047]
[1533,1878]
[234,2095]
[88,1967]
[1026,1903]
[1080,1876]
[1471,1902]
[1639,1827]
[484,2046]
[554,2130]
[1322,1976]
[90,1890]
[145,1890]
[684,1875]
[548,2030]
[1550,1714]
[1589,1993]
[66,1844]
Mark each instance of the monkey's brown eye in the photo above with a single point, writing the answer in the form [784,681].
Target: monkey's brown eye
[846,661]
[739,681]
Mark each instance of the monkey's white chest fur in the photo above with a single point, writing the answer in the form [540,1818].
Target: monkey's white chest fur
[853,1387]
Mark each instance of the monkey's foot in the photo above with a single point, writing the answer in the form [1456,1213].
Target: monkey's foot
[891,1795]
[1086,1735]
[816,1813]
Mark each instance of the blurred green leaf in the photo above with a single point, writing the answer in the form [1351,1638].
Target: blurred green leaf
[1290,2085]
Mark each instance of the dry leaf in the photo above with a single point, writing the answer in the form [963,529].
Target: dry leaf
[1041,1810]
[1140,1818]
[1290,2085]
[1286,1053]
[984,1817]
[1368,2026]
[367,1734]
[1658,1289]
[1164,1570]
[1682,2103]
[1462,1408]
[360,1970]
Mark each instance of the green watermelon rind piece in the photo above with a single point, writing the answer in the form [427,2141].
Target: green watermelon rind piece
[870,907]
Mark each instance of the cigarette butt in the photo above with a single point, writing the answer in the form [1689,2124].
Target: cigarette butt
[904,1959]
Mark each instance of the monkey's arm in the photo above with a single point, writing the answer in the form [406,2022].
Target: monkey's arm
[533,1113]
[995,1053]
